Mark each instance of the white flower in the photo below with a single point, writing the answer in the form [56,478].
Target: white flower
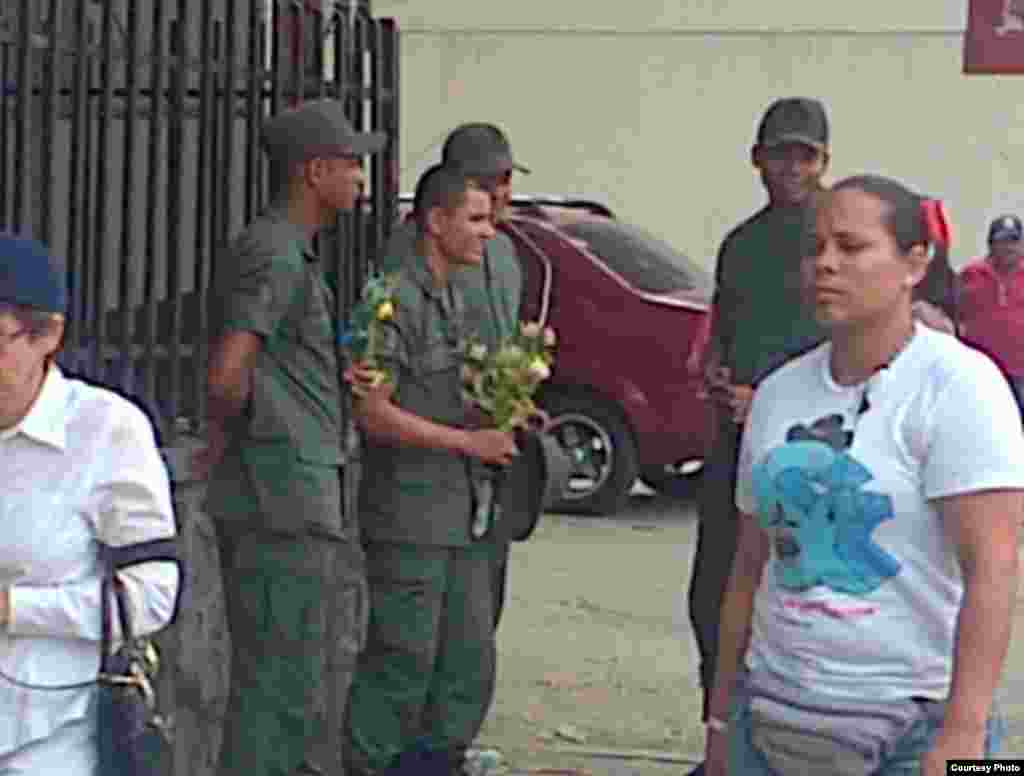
[531,329]
[478,351]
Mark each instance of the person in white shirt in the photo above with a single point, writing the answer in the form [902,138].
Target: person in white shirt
[868,612]
[80,466]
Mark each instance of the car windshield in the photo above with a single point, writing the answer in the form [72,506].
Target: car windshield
[643,260]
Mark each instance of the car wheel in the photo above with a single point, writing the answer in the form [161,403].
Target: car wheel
[601,449]
[675,480]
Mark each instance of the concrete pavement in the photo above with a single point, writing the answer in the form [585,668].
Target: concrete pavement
[596,646]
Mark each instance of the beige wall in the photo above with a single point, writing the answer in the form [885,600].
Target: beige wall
[651,106]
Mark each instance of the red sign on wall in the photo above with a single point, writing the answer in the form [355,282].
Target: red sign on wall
[994,43]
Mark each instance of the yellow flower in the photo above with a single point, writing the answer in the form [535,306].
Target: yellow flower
[385,311]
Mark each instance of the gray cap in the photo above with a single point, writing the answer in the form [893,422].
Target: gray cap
[480,149]
[794,120]
[317,129]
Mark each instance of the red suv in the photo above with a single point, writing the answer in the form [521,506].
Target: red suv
[629,311]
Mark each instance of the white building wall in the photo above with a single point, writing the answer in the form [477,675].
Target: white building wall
[651,106]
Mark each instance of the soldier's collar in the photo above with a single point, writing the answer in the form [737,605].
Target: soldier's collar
[279,214]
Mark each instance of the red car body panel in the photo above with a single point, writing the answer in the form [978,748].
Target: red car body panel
[616,341]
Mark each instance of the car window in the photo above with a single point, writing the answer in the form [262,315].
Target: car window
[643,260]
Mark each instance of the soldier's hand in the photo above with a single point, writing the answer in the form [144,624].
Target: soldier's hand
[366,385]
[492,446]
[740,397]
[216,443]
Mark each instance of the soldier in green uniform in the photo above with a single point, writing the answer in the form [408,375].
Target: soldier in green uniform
[426,678]
[492,292]
[293,573]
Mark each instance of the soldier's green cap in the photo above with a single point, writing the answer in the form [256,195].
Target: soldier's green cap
[317,129]
[480,149]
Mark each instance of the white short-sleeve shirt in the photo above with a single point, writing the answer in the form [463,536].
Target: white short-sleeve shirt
[862,590]
[82,467]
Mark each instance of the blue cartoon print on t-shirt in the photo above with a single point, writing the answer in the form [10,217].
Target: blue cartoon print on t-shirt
[810,499]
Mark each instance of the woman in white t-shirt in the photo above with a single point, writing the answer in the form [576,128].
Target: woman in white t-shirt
[881,476]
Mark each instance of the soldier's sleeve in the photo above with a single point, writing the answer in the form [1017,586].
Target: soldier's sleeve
[392,352]
[512,277]
[262,285]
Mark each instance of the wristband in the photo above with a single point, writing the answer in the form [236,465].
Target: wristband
[716,725]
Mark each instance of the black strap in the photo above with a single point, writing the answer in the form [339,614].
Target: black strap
[113,559]
[143,552]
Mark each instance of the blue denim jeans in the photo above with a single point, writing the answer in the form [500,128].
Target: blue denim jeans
[904,760]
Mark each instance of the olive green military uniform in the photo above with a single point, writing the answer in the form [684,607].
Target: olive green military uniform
[426,677]
[292,565]
[761,322]
[492,295]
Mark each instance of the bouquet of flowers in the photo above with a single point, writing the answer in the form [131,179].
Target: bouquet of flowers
[502,382]
[360,340]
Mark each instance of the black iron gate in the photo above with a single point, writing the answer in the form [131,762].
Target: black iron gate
[129,143]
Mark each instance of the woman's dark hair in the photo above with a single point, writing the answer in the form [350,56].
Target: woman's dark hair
[938,287]
[441,186]
[905,218]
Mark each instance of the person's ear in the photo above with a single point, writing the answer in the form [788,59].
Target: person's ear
[755,156]
[826,157]
[918,260]
[436,220]
[314,172]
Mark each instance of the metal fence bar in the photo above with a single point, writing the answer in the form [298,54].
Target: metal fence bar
[51,67]
[154,162]
[129,258]
[378,162]
[298,58]
[6,95]
[207,201]
[390,52]
[254,107]
[22,192]
[358,115]
[170,403]
[74,335]
[277,66]
[87,309]
[101,243]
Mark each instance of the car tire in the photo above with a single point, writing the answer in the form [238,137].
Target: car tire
[600,444]
[671,484]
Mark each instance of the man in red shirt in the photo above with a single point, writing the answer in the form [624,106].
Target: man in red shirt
[992,301]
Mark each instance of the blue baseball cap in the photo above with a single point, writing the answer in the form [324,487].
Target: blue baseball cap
[1005,228]
[31,276]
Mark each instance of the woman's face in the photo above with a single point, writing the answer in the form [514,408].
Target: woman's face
[856,273]
[22,357]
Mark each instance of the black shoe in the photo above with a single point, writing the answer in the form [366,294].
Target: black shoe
[698,771]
